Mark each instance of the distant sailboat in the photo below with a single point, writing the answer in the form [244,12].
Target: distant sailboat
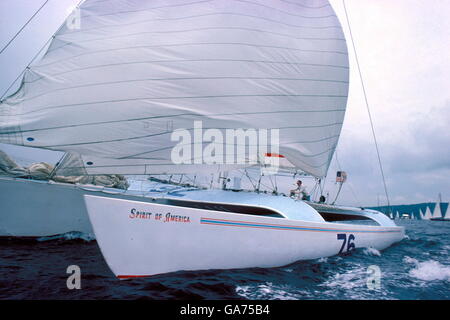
[428,214]
[437,213]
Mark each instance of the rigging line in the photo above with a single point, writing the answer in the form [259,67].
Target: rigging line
[23,71]
[338,192]
[266,186]
[271,182]
[36,55]
[322,184]
[318,191]
[58,165]
[340,183]
[249,179]
[348,182]
[23,27]
[367,106]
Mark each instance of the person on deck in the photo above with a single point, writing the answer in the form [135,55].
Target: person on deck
[300,191]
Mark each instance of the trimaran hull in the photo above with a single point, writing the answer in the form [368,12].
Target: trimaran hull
[36,208]
[139,237]
[142,239]
[30,208]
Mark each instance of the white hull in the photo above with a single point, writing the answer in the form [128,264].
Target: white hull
[33,208]
[37,208]
[137,240]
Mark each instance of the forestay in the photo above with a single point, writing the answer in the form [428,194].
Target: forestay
[135,71]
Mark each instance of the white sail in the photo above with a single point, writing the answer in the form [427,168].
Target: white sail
[421,215]
[136,71]
[428,214]
[77,165]
[437,213]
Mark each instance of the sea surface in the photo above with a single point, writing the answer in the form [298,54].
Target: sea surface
[416,268]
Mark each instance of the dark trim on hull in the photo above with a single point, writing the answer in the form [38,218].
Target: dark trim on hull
[222,207]
[330,217]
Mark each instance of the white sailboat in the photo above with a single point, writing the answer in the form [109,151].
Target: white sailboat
[446,217]
[428,214]
[115,92]
[437,213]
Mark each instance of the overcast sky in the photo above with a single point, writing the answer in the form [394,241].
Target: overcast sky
[404,52]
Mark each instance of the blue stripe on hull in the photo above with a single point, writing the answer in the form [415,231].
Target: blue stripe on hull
[284,227]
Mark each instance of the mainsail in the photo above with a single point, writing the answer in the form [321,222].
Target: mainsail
[115,89]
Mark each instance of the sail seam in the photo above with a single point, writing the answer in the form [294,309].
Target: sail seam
[218,154]
[210,14]
[278,10]
[237,144]
[196,44]
[172,116]
[305,6]
[170,132]
[177,98]
[190,60]
[117,13]
[200,29]
[168,163]
[179,79]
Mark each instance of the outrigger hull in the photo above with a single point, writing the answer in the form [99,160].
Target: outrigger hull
[141,239]
[33,209]
[36,208]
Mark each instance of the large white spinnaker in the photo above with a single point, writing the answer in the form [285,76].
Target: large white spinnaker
[135,71]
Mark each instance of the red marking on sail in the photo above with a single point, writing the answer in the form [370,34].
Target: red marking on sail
[274,155]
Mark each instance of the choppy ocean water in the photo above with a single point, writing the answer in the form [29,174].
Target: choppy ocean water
[416,268]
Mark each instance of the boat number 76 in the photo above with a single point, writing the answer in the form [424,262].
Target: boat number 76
[350,243]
